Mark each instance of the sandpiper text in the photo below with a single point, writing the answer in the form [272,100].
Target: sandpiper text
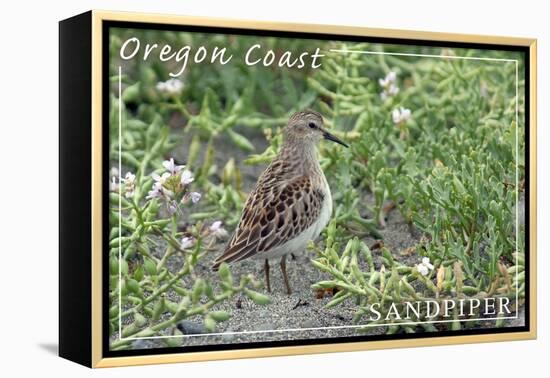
[433,309]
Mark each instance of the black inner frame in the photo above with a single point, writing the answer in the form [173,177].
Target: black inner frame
[106,25]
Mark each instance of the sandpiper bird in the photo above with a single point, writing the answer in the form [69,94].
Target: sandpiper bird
[291,202]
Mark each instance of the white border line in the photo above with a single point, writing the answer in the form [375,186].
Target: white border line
[422,55]
[315,328]
[517,186]
[119,202]
[333,327]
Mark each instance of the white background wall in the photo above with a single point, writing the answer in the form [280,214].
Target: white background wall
[28,190]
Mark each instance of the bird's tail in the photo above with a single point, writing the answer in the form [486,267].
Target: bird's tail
[216,265]
[234,253]
[221,259]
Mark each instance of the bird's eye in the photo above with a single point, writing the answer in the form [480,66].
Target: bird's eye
[312,125]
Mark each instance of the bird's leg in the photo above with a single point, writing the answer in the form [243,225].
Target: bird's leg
[285,277]
[266,271]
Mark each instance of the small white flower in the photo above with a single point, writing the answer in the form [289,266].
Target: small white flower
[171,86]
[426,261]
[158,191]
[160,179]
[218,231]
[161,86]
[153,194]
[186,177]
[171,166]
[113,185]
[129,181]
[422,269]
[192,196]
[389,86]
[187,242]
[393,90]
[425,266]
[195,196]
[388,80]
[216,225]
[129,178]
[400,115]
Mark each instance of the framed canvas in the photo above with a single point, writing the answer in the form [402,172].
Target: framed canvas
[234,189]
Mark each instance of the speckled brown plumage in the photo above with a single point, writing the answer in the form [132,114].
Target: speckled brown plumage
[276,211]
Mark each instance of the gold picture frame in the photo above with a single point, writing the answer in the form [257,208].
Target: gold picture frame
[89,266]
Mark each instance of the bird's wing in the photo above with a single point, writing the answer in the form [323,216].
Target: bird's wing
[275,212]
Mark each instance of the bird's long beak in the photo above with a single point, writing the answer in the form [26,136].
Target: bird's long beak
[331,137]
